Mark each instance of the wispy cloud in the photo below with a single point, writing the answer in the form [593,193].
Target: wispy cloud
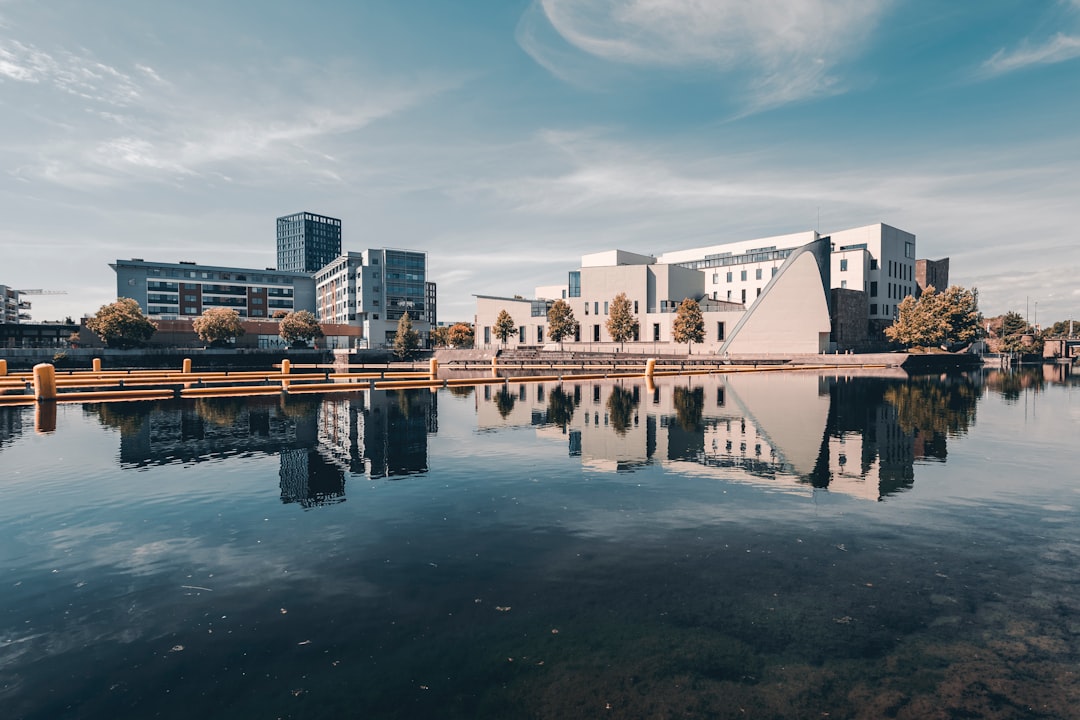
[77,74]
[787,50]
[1057,49]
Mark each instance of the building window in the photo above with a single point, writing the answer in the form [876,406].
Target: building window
[487,335]
[843,283]
[719,331]
[873,263]
[742,275]
[729,295]
[873,288]
[656,332]
[521,334]
[729,276]
[605,307]
[758,293]
[715,278]
[574,285]
[596,333]
[635,307]
[744,296]
[909,250]
[873,308]
[596,307]
[539,333]
[774,271]
[189,298]
[843,265]
[757,274]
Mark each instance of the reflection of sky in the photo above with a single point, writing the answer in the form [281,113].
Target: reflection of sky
[164,555]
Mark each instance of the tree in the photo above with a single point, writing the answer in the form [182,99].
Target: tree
[440,337]
[406,340]
[1013,323]
[689,326]
[936,319]
[561,322]
[296,328]
[621,324]
[1062,328]
[504,326]
[461,335]
[121,324]
[218,326]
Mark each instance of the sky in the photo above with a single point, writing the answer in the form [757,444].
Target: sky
[507,138]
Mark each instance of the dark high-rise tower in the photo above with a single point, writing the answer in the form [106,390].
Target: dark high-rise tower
[306,241]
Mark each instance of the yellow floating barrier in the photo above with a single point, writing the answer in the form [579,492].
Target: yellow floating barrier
[45,381]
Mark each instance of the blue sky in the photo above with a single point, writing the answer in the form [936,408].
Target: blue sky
[507,138]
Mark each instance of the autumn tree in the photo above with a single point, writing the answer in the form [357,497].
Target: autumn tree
[561,322]
[936,319]
[621,324]
[406,339]
[689,325]
[218,326]
[504,326]
[299,327]
[121,324]
[440,336]
[461,335]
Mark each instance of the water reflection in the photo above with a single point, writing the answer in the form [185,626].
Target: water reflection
[319,441]
[859,436]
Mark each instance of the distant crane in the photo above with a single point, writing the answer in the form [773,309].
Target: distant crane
[39,291]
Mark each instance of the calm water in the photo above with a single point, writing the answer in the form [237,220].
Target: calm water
[755,546]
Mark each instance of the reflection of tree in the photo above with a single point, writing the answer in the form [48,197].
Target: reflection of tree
[560,409]
[1010,383]
[127,417]
[504,401]
[689,404]
[621,405]
[222,412]
[461,390]
[930,411]
[299,406]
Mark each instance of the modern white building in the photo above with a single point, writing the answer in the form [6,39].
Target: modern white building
[373,289]
[768,295]
[876,259]
[789,314]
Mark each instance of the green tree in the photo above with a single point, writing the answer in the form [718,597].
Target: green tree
[461,335]
[936,319]
[1062,328]
[218,326]
[689,325]
[504,326]
[121,324]
[406,340]
[561,322]
[297,328]
[1013,323]
[621,324]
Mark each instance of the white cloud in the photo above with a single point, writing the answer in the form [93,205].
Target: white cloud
[79,75]
[788,49]
[1057,49]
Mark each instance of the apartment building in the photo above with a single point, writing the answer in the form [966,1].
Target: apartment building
[169,291]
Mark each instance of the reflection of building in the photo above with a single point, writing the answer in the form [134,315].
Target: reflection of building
[856,436]
[11,424]
[308,479]
[380,434]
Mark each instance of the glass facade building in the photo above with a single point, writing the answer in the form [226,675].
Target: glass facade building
[307,242]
